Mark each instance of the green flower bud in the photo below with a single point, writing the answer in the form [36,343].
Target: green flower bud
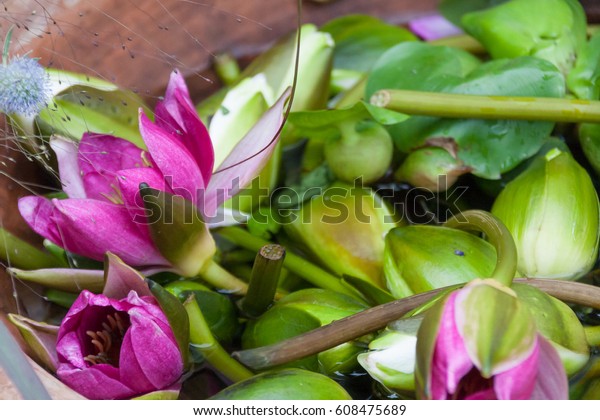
[551,210]
[302,311]
[345,154]
[554,30]
[391,356]
[241,108]
[433,168]
[420,258]
[314,67]
[558,323]
[345,228]
[286,384]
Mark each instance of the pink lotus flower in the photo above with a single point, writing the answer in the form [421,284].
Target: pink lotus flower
[482,343]
[117,349]
[102,176]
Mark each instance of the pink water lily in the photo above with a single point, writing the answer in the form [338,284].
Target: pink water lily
[481,343]
[117,349]
[102,175]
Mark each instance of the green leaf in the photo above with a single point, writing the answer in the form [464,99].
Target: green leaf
[556,31]
[73,120]
[219,313]
[17,367]
[373,294]
[323,123]
[453,10]
[360,40]
[490,147]
[40,337]
[177,317]
[584,79]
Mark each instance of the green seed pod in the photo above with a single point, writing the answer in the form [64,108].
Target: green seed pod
[433,168]
[345,228]
[286,384]
[551,209]
[420,258]
[345,154]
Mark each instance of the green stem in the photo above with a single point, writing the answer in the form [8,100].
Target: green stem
[592,334]
[18,253]
[497,234]
[353,95]
[453,105]
[221,279]
[292,262]
[202,339]
[227,69]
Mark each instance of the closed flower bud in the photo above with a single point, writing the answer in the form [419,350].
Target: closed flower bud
[345,228]
[420,258]
[481,342]
[433,168]
[345,154]
[551,210]
[391,356]
[285,384]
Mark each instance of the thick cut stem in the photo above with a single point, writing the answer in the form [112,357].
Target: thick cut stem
[264,279]
[453,105]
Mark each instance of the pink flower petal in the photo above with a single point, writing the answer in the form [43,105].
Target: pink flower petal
[92,227]
[177,115]
[37,212]
[129,181]
[433,27]
[178,167]
[551,380]
[246,160]
[148,346]
[68,166]
[100,382]
[518,382]
[101,157]
[451,361]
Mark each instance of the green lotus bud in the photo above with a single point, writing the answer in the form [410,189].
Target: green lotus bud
[314,67]
[554,30]
[551,210]
[391,356]
[345,228]
[558,323]
[433,168]
[302,311]
[420,258]
[286,384]
[242,107]
[345,154]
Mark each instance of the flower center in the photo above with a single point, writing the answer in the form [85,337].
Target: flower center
[107,341]
[473,383]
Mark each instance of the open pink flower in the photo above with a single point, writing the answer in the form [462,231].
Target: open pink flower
[102,176]
[481,343]
[117,349]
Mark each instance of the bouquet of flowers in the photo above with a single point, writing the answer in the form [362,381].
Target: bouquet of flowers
[364,210]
